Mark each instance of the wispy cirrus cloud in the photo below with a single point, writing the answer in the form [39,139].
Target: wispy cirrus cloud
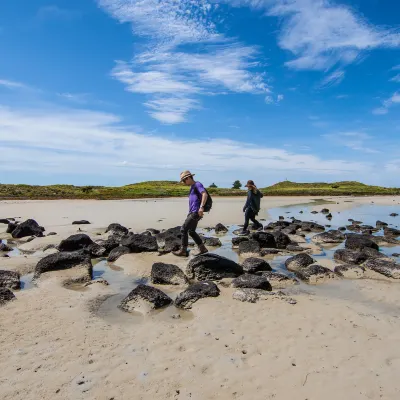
[53,12]
[184,57]
[387,104]
[12,84]
[333,79]
[358,141]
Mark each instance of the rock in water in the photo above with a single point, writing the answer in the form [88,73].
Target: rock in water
[145,299]
[66,260]
[28,228]
[82,222]
[237,240]
[117,229]
[251,282]
[394,214]
[252,265]
[298,262]
[381,224]
[196,292]
[391,232]
[249,248]
[75,242]
[350,271]
[172,243]
[10,280]
[329,237]
[325,211]
[117,253]
[279,281]
[4,247]
[350,256]
[167,274]
[6,295]
[140,243]
[359,242]
[281,240]
[212,242]
[219,228]
[4,221]
[265,239]
[109,244]
[387,268]
[212,267]
[314,274]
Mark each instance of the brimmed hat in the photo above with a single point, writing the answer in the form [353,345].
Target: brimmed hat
[250,183]
[185,174]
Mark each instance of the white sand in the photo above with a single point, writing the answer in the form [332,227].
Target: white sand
[342,342]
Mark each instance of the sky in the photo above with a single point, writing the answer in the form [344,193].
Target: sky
[113,92]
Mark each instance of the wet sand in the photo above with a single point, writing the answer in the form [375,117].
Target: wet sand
[340,340]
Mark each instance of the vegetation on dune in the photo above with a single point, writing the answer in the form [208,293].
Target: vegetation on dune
[176,189]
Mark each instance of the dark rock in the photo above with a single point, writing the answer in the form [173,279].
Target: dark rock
[290,230]
[381,224]
[356,222]
[212,242]
[314,212]
[299,261]
[169,233]
[372,253]
[391,232]
[279,281]
[264,239]
[10,280]
[66,260]
[117,229]
[49,246]
[82,222]
[314,274]
[281,218]
[109,244]
[359,242]
[342,228]
[212,267]
[4,221]
[387,268]
[11,227]
[4,247]
[281,240]
[307,226]
[117,252]
[6,295]
[219,228]
[353,228]
[52,234]
[324,211]
[172,243]
[237,240]
[292,247]
[249,247]
[144,298]
[251,282]
[167,274]
[153,231]
[395,255]
[253,295]
[350,256]
[350,271]
[140,243]
[196,292]
[328,226]
[28,228]
[329,216]
[252,265]
[332,236]
[95,250]
[75,242]
[394,214]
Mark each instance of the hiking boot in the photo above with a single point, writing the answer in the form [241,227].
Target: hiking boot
[181,252]
[202,250]
[243,233]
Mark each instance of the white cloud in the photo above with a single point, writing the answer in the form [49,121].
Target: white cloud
[280,98]
[60,141]
[79,98]
[184,55]
[387,104]
[12,84]
[396,78]
[353,140]
[342,96]
[396,68]
[333,79]
[269,100]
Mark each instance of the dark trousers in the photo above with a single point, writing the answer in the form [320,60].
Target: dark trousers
[250,215]
[189,228]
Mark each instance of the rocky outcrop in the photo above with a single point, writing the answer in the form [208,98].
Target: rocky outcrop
[359,242]
[212,267]
[196,292]
[298,262]
[350,271]
[314,274]
[10,280]
[6,295]
[219,228]
[249,248]
[384,267]
[109,244]
[117,253]
[145,299]
[332,236]
[253,265]
[81,222]
[28,228]
[251,282]
[66,260]
[75,242]
[167,274]
[279,281]
[140,243]
[350,256]
[95,250]
[117,229]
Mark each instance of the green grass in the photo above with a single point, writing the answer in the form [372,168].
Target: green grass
[175,189]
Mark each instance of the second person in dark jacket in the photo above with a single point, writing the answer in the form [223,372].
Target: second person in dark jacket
[252,207]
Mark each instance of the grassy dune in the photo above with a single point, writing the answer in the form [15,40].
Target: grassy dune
[175,189]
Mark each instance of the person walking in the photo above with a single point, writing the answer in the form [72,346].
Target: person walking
[252,207]
[197,200]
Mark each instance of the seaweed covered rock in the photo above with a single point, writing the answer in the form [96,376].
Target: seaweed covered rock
[265,239]
[140,243]
[237,240]
[196,292]
[332,236]
[279,281]
[6,295]
[350,256]
[253,265]
[75,242]
[167,274]
[251,282]
[314,274]
[391,232]
[219,228]
[10,280]
[359,242]
[249,248]
[117,229]
[27,228]
[384,267]
[281,240]
[117,253]
[212,241]
[299,261]
[350,271]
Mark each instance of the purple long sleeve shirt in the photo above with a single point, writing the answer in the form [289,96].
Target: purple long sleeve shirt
[196,191]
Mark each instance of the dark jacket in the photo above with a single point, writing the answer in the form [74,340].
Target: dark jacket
[253,201]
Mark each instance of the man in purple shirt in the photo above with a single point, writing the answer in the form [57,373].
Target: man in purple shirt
[197,200]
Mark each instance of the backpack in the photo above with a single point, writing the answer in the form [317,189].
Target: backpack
[209,202]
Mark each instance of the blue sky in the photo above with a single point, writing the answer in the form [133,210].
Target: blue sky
[111,92]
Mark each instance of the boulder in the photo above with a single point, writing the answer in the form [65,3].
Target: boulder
[4,221]
[394,214]
[254,295]
[251,247]
[6,295]
[52,234]
[281,240]
[290,230]
[28,228]
[341,228]
[144,299]
[329,216]
[109,244]
[332,236]
[325,211]
[66,260]
[237,240]
[171,243]
[4,247]
[359,242]
[384,267]
[11,227]
[152,231]
[117,253]
[295,248]
[277,224]
[95,250]
[75,242]
[219,228]
[350,271]
[117,229]
[167,274]
[252,265]
[314,274]
[212,267]
[82,222]
[395,255]
[299,261]
[353,228]
[314,212]
[279,281]
[10,280]
[265,239]
[140,243]
[196,292]
[169,233]
[251,282]
[391,232]
[381,224]
[350,256]
[212,241]
[307,226]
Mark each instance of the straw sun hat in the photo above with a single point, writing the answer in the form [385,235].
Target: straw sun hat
[185,174]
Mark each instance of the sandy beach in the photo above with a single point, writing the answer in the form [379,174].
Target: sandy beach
[341,340]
